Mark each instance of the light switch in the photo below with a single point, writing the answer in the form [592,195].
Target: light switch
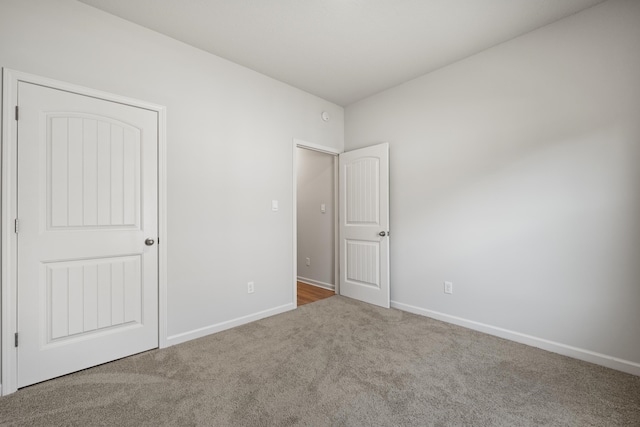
[323,208]
[274,205]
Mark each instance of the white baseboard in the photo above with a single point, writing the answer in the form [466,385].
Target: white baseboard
[554,347]
[218,327]
[317,283]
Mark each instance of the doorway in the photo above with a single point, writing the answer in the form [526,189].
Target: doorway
[361,237]
[315,224]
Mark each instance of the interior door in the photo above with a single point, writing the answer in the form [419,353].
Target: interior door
[87,201]
[364,224]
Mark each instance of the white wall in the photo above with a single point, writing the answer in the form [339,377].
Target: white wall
[229,150]
[515,174]
[316,230]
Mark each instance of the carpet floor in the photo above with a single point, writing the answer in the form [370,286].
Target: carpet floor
[336,362]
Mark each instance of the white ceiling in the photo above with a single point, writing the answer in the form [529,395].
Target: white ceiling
[342,50]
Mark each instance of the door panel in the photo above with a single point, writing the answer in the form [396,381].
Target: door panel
[364,213]
[363,263]
[86,296]
[94,172]
[87,199]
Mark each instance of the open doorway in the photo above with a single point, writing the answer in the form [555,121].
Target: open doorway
[316,212]
[361,238]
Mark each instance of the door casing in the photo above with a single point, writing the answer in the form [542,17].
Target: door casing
[8,277]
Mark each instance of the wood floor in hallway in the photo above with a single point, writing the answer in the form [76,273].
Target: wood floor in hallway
[309,293]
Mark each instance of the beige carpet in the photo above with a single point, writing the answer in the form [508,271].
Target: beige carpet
[336,362]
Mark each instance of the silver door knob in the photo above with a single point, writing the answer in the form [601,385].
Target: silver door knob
[382,234]
[149,242]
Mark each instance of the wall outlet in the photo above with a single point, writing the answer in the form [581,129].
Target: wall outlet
[308,262]
[448,287]
[250,288]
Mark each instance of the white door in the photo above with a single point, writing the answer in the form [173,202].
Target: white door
[87,200]
[364,224]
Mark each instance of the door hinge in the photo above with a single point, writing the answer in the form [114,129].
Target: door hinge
[16,339]
[17,115]
[16,225]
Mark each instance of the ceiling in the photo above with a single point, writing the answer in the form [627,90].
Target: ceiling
[342,50]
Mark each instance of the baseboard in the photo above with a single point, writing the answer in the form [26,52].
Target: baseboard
[554,347]
[317,283]
[218,327]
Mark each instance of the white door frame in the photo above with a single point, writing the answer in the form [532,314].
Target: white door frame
[298,143]
[10,80]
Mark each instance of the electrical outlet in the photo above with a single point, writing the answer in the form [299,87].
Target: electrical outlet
[250,288]
[308,262]
[448,287]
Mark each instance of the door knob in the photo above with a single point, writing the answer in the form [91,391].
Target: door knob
[382,234]
[149,242]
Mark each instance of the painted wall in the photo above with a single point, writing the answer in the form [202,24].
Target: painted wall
[229,138]
[316,230]
[515,174]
